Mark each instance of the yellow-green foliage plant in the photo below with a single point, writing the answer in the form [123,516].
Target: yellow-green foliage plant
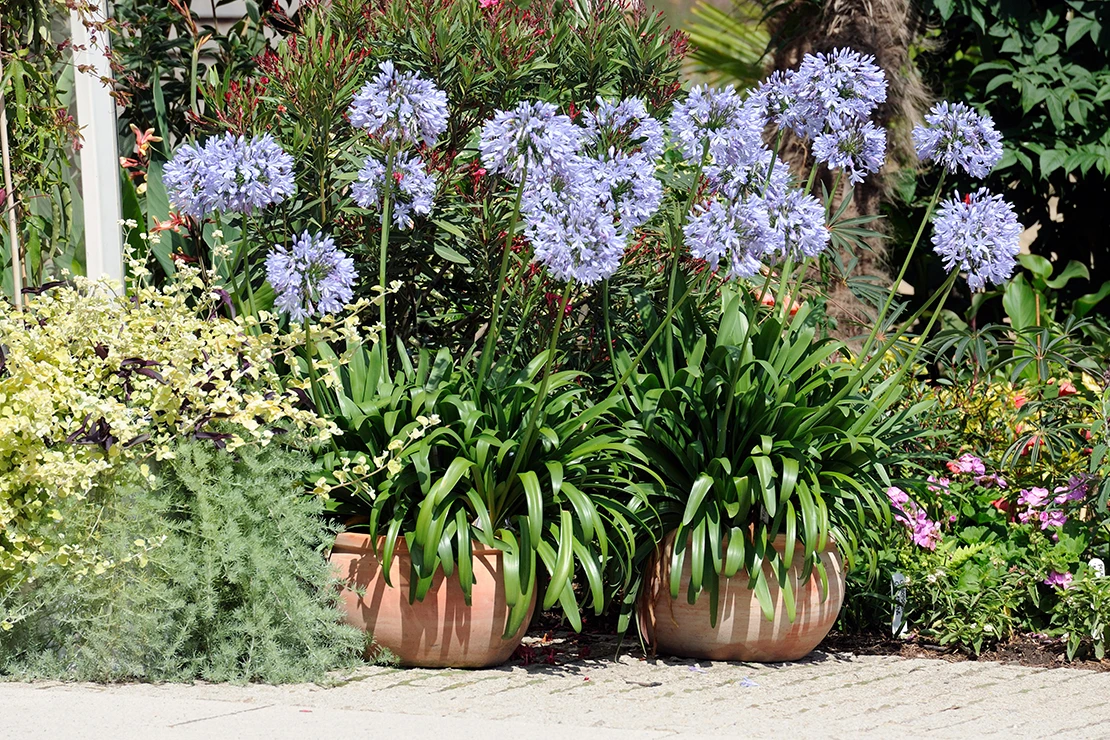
[92,378]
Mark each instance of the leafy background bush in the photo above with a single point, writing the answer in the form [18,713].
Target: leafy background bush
[231,584]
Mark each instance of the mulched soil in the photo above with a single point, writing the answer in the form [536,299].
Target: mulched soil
[549,641]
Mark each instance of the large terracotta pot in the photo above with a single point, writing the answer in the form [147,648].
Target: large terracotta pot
[441,631]
[675,627]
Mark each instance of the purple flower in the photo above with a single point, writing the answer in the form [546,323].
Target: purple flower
[859,150]
[571,233]
[957,138]
[400,107]
[991,481]
[1075,490]
[412,192]
[709,118]
[978,234]
[533,135]
[1052,519]
[1059,580]
[798,222]
[625,127]
[1034,497]
[741,168]
[312,278]
[828,92]
[967,463]
[926,533]
[897,496]
[736,230]
[626,187]
[936,485]
[230,173]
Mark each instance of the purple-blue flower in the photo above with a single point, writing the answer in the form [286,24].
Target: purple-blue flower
[311,279]
[738,231]
[798,222]
[400,107]
[741,169]
[412,192]
[532,136]
[858,150]
[627,187]
[827,92]
[977,234]
[957,137]
[229,173]
[710,117]
[571,233]
[625,127]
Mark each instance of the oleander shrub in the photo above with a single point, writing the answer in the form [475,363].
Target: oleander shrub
[213,571]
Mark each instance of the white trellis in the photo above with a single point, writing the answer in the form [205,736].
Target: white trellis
[100,169]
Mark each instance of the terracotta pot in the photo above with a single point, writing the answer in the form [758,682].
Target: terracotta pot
[675,627]
[441,631]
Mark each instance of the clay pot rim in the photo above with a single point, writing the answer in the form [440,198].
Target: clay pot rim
[359,543]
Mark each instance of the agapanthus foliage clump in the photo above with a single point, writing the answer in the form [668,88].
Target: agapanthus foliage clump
[229,173]
[978,234]
[312,277]
[400,107]
[959,138]
[412,193]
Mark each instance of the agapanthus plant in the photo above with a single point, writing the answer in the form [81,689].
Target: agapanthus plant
[414,188]
[229,173]
[311,278]
[400,107]
[958,138]
[978,234]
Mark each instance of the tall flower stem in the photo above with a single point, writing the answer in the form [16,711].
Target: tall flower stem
[677,241]
[881,318]
[493,330]
[244,248]
[310,354]
[663,324]
[608,327]
[529,437]
[861,375]
[387,202]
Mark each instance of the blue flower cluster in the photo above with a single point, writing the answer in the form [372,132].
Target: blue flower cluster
[533,136]
[413,190]
[311,279]
[625,127]
[830,99]
[229,173]
[400,107]
[978,234]
[957,137]
[710,118]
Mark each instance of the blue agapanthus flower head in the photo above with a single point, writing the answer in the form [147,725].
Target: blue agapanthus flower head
[625,127]
[736,231]
[978,234]
[627,187]
[311,279]
[858,150]
[400,107]
[740,170]
[530,137]
[958,137]
[184,179]
[710,117]
[572,234]
[828,91]
[798,222]
[413,190]
[230,173]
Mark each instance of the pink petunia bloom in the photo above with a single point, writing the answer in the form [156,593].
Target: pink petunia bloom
[936,485]
[926,534]
[1034,497]
[897,496]
[1060,580]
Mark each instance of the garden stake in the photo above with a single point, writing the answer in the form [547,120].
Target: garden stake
[9,202]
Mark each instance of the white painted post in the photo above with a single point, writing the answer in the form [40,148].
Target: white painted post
[96,114]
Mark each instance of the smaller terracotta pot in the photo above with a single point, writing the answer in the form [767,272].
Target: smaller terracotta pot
[742,633]
[439,632]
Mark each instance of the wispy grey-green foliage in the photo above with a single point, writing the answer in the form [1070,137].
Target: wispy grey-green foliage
[238,591]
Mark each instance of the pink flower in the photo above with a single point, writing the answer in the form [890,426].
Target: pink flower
[1019,401]
[967,463]
[488,3]
[1066,388]
[1060,580]
[926,534]
[897,496]
[1052,519]
[991,481]
[1075,490]
[937,484]
[1034,497]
